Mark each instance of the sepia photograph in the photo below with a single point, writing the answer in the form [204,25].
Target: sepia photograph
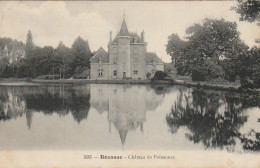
[130,84]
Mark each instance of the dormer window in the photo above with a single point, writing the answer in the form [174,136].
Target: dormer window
[100,61]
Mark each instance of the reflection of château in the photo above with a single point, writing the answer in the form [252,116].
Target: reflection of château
[126,105]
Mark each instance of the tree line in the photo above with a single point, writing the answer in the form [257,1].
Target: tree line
[30,60]
[213,50]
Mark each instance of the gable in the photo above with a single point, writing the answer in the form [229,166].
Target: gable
[152,57]
[101,54]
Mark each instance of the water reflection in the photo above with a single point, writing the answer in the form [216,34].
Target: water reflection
[126,105]
[214,118]
[62,100]
[88,114]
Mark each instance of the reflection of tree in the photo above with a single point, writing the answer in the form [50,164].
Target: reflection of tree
[79,106]
[211,118]
[251,140]
[20,101]
[11,105]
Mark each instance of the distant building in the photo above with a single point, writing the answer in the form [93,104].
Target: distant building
[126,58]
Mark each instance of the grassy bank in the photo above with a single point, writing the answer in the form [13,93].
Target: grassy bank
[180,80]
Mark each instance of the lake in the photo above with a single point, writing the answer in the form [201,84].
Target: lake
[127,117]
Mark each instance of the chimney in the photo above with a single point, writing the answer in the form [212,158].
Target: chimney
[110,36]
[142,36]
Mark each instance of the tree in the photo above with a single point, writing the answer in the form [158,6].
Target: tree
[4,67]
[249,10]
[64,54]
[29,46]
[175,47]
[81,55]
[207,45]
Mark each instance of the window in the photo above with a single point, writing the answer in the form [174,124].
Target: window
[135,71]
[100,72]
[115,50]
[115,60]
[136,50]
[115,72]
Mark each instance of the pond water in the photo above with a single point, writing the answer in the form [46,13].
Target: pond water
[127,117]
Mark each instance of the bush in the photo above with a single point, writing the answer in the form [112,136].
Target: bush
[216,72]
[159,75]
[148,75]
[256,79]
[55,76]
[198,74]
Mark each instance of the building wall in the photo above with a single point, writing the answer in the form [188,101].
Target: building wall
[113,60]
[123,57]
[138,64]
[152,68]
[94,70]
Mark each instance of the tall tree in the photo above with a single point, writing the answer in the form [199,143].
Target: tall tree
[207,45]
[175,47]
[81,55]
[29,44]
[64,54]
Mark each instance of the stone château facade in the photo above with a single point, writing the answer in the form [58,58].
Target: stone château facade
[126,58]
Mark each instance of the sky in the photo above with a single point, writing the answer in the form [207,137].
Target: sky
[53,21]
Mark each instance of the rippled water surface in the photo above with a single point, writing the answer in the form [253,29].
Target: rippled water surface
[127,117]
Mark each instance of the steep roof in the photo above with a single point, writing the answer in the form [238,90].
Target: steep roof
[100,54]
[151,57]
[123,30]
[133,36]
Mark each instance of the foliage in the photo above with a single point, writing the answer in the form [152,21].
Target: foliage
[175,47]
[29,46]
[194,111]
[81,55]
[29,60]
[160,75]
[249,10]
[212,50]
[248,67]
[148,75]
[48,77]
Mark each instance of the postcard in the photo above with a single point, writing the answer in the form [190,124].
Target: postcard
[130,84]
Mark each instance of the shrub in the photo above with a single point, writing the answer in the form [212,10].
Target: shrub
[148,75]
[198,74]
[55,76]
[216,72]
[256,79]
[160,75]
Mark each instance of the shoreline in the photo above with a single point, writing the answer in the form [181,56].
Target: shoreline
[37,82]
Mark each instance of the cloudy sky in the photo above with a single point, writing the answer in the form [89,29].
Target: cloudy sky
[52,22]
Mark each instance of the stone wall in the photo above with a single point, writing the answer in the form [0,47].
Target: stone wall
[94,73]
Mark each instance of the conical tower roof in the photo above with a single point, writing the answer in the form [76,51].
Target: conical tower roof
[123,30]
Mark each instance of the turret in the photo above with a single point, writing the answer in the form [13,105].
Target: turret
[110,36]
[142,36]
